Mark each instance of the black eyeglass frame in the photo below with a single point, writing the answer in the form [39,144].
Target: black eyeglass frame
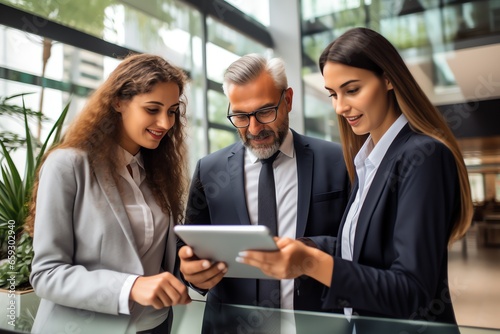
[255,113]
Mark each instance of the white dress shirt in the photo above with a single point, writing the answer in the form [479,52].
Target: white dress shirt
[149,226]
[367,162]
[285,179]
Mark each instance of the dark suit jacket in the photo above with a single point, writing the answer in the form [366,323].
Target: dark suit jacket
[400,257]
[217,196]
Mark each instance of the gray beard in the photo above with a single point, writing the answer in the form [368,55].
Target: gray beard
[268,150]
[263,152]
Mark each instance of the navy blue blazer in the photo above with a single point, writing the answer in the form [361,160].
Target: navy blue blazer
[217,196]
[400,257]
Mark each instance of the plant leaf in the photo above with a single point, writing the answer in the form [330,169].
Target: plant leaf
[15,192]
[59,123]
[30,159]
[57,128]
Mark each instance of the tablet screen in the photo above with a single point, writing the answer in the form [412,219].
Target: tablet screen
[224,242]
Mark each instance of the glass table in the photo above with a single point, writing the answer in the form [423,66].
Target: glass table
[198,317]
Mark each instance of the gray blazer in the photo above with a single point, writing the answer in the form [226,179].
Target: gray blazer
[84,246]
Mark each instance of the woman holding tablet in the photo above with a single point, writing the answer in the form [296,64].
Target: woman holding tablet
[410,198]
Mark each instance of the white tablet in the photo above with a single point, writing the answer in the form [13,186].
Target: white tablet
[224,242]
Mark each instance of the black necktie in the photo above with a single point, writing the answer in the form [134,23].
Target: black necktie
[268,290]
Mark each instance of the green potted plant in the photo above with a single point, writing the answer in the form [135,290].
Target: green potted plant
[16,249]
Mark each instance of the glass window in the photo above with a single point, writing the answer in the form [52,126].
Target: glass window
[70,74]
[320,118]
[54,103]
[470,18]
[86,16]
[198,144]
[218,59]
[312,9]
[221,138]
[423,31]
[160,27]
[257,9]
[217,108]
[224,46]
[312,47]
[24,52]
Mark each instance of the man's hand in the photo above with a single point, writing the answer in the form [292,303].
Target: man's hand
[201,273]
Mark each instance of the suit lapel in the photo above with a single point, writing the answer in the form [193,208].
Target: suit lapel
[304,181]
[110,191]
[236,170]
[380,182]
[371,200]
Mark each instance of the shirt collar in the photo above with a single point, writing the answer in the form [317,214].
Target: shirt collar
[373,154]
[286,148]
[127,158]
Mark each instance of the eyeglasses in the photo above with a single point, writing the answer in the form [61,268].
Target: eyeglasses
[264,116]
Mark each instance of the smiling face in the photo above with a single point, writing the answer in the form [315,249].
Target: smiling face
[147,117]
[262,139]
[361,97]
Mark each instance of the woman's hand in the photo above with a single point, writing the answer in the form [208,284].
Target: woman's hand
[292,260]
[159,291]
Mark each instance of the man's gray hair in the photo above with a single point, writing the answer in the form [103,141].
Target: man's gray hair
[249,67]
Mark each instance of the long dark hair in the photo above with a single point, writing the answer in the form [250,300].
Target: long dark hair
[367,49]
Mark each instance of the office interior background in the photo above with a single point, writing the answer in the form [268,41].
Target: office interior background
[59,51]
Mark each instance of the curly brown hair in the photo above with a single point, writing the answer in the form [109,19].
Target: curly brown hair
[97,130]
